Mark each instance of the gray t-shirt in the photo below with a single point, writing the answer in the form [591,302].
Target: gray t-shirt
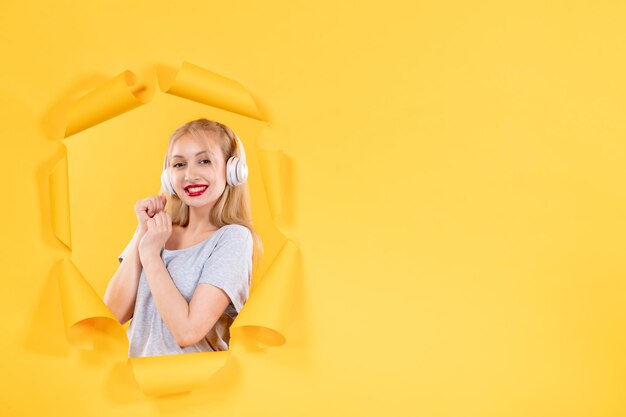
[223,260]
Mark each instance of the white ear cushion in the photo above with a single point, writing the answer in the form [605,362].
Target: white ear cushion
[228,171]
[231,171]
[163,179]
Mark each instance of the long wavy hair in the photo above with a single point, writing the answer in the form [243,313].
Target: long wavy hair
[233,206]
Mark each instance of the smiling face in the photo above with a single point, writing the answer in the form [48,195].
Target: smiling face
[198,160]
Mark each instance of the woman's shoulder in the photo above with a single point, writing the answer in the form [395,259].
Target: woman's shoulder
[236,231]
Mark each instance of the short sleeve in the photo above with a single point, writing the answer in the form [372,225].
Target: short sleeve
[229,266]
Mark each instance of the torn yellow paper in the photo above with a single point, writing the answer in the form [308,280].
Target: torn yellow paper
[82,307]
[176,373]
[264,322]
[119,95]
[136,143]
[198,84]
[275,168]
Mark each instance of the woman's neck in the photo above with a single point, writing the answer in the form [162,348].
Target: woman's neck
[199,220]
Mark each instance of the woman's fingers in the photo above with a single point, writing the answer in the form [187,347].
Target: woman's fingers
[153,204]
[157,220]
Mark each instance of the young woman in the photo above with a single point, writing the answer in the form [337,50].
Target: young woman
[186,273]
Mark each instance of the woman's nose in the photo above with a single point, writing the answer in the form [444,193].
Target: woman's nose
[189,172]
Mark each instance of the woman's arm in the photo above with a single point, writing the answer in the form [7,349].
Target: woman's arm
[172,306]
[121,292]
[188,323]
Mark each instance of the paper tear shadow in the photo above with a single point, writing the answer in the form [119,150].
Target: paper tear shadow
[120,385]
[278,172]
[222,388]
[45,334]
[109,342]
[53,122]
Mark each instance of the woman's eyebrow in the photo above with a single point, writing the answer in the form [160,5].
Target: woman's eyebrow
[199,153]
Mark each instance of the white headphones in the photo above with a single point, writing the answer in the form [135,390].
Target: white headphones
[236,168]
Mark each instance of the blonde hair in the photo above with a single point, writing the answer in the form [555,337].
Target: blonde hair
[233,206]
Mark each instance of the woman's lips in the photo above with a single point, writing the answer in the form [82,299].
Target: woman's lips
[191,194]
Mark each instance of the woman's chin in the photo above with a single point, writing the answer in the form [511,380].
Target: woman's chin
[198,201]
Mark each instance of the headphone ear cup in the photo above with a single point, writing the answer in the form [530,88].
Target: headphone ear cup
[166,183]
[236,171]
[236,167]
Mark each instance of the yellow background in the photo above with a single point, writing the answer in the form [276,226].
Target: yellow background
[457,199]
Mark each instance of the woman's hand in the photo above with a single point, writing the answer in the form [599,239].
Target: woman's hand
[159,231]
[147,208]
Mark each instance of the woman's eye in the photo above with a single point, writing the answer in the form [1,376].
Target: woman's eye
[208,161]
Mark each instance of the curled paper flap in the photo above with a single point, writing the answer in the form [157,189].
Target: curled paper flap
[275,169]
[60,202]
[262,321]
[204,86]
[117,96]
[155,377]
[83,310]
